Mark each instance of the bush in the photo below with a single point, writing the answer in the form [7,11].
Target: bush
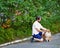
[22,14]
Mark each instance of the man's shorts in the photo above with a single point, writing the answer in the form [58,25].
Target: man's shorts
[38,36]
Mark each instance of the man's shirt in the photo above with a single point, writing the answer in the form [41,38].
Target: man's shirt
[37,25]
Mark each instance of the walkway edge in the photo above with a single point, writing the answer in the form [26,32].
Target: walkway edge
[16,41]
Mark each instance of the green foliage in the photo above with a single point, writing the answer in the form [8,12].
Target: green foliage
[20,26]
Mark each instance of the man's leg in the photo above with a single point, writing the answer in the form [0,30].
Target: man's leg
[38,37]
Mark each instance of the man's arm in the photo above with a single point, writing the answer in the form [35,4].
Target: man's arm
[44,29]
[47,30]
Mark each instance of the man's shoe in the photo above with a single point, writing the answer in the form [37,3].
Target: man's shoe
[32,39]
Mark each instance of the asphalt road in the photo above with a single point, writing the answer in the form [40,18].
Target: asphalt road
[55,43]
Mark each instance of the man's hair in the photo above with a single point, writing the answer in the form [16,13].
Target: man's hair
[38,17]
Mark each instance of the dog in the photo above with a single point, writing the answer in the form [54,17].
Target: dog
[48,36]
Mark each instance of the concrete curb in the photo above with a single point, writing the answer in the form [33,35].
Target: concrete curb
[16,41]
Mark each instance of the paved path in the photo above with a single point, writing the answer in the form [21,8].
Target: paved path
[55,43]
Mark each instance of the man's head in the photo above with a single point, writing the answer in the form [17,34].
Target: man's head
[38,18]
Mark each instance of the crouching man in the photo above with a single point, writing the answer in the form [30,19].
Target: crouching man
[38,30]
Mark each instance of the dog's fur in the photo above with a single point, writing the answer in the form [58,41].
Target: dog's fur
[48,36]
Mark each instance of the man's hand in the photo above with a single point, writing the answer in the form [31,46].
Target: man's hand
[48,30]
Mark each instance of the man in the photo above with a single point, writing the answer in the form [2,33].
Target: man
[38,30]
